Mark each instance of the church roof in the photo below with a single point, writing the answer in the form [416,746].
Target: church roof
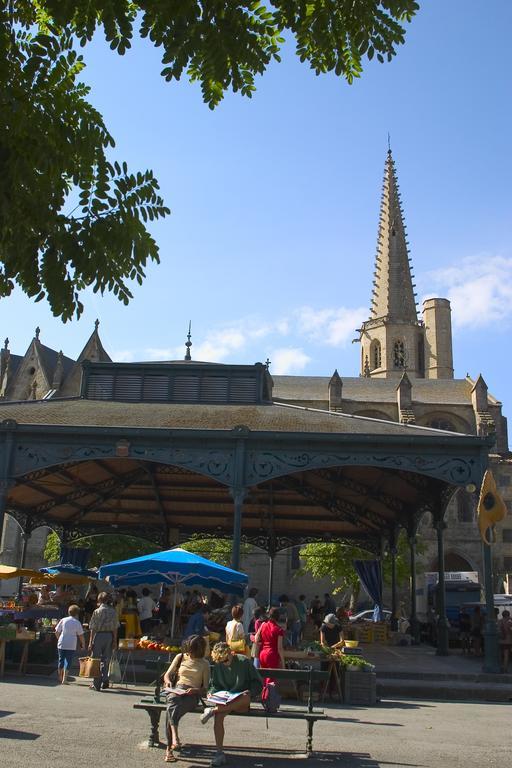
[14,363]
[393,295]
[365,390]
[48,357]
[259,418]
[93,351]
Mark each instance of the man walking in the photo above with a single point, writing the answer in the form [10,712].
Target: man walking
[103,638]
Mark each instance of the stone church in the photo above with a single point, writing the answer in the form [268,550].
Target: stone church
[406,375]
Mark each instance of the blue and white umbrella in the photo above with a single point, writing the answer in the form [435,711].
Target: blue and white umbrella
[174,567]
[59,568]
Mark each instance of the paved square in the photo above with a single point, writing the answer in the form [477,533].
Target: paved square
[45,725]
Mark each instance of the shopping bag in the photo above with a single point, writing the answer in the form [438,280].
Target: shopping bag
[89,667]
[238,646]
[114,670]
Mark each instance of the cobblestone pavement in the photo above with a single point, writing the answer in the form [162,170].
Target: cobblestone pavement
[44,725]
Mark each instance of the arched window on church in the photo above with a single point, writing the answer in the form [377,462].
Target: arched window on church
[399,354]
[375,355]
[442,424]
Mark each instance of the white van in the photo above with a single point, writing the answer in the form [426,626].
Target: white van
[502,603]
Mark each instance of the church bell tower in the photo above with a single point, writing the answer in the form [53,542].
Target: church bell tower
[393,339]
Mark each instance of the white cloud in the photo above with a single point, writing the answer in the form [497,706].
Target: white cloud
[288,360]
[163,353]
[479,289]
[252,335]
[123,356]
[332,326]
[225,342]
[219,344]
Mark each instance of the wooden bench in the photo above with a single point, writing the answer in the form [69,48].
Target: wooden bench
[156,705]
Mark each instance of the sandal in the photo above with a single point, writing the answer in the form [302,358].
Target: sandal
[169,756]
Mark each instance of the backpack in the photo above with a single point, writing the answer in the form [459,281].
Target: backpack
[270,698]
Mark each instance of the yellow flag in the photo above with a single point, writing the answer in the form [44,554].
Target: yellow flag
[491,507]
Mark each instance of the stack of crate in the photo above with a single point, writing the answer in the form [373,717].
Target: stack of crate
[360,688]
[380,632]
[365,632]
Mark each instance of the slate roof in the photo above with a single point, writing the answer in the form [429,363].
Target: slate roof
[14,362]
[49,360]
[365,390]
[262,418]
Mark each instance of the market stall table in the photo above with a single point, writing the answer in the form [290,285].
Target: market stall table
[332,668]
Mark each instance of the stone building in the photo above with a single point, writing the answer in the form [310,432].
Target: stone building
[406,375]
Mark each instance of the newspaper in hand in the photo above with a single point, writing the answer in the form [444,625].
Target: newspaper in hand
[222,697]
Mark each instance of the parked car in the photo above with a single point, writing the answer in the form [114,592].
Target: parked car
[368,615]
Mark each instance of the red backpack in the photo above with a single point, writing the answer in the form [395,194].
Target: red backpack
[270,698]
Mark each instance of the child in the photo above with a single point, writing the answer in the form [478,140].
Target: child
[68,630]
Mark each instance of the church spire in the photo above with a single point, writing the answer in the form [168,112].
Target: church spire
[393,295]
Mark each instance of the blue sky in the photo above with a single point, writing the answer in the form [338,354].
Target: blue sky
[270,247]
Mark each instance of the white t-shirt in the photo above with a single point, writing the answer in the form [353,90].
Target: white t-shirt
[145,607]
[69,629]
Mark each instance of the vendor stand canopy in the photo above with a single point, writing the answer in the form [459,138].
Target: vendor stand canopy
[37,577]
[69,569]
[174,567]
[11,572]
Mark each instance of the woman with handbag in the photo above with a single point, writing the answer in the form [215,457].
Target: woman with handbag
[269,642]
[186,680]
[259,619]
[235,632]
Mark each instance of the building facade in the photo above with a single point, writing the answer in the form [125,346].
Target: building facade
[406,376]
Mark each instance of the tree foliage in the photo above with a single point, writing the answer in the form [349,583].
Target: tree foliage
[72,217]
[69,218]
[109,548]
[218,550]
[224,44]
[104,549]
[335,561]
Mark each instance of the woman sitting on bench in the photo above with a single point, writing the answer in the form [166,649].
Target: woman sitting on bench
[231,673]
[187,678]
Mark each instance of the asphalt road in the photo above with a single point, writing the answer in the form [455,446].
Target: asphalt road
[44,725]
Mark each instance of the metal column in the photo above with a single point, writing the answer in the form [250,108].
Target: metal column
[394,601]
[238,501]
[413,618]
[271,558]
[25,535]
[491,656]
[442,621]
[6,482]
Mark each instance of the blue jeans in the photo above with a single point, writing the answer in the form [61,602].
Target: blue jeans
[65,658]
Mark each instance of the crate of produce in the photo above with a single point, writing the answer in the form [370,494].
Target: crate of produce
[380,633]
[7,633]
[360,688]
[365,633]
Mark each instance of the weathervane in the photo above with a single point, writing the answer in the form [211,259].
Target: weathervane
[188,343]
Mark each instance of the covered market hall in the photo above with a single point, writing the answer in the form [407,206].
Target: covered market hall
[164,450]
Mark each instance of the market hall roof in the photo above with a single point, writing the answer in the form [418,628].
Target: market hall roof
[276,417]
[166,470]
